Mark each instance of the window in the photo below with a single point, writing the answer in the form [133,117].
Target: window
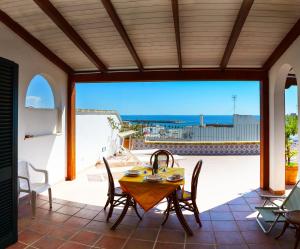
[39,94]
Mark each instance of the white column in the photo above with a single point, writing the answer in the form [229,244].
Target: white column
[277,129]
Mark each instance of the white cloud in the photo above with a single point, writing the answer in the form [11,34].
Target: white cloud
[33,101]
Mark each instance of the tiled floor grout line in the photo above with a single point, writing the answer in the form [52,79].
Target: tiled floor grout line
[213,232]
[95,243]
[129,236]
[156,239]
[185,240]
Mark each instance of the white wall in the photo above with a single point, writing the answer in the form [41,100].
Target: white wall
[95,138]
[46,152]
[277,77]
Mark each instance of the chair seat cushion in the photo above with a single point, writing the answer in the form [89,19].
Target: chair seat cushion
[267,214]
[183,195]
[119,191]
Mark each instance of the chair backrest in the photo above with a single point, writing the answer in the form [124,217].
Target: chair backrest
[165,158]
[292,201]
[23,171]
[195,178]
[111,184]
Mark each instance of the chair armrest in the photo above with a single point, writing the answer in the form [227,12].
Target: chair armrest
[45,172]
[272,196]
[279,211]
[27,181]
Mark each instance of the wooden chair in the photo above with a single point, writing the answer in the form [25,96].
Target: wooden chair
[115,195]
[293,221]
[186,199]
[163,156]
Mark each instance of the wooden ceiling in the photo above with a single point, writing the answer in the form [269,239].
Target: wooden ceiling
[140,35]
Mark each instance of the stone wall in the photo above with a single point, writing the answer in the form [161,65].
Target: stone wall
[183,148]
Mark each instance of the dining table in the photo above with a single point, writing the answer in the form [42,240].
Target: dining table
[148,193]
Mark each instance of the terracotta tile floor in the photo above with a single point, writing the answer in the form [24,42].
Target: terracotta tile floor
[76,225]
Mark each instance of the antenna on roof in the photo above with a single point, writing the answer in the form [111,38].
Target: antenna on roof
[234,97]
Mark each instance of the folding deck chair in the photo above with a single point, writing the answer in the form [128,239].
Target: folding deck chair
[272,212]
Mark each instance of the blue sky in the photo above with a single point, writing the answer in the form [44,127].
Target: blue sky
[171,98]
[291,100]
[39,93]
[162,98]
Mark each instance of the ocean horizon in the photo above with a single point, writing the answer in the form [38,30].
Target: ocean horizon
[179,120]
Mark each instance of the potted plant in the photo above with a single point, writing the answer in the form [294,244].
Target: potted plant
[291,168]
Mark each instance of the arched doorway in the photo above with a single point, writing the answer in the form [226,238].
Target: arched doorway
[291,129]
[277,128]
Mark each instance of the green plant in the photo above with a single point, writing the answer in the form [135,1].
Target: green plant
[114,125]
[291,129]
[135,127]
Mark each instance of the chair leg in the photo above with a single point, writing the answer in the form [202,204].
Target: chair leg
[33,203]
[286,224]
[135,209]
[196,213]
[167,212]
[297,238]
[107,202]
[111,209]
[50,198]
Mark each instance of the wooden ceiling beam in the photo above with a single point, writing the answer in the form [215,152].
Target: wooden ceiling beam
[287,41]
[177,30]
[35,43]
[119,26]
[68,30]
[173,75]
[235,33]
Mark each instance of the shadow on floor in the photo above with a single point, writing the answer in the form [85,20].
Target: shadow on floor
[231,225]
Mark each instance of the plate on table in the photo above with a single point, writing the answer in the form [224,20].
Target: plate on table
[132,172]
[153,178]
[175,178]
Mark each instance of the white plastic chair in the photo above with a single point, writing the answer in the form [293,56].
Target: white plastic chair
[32,188]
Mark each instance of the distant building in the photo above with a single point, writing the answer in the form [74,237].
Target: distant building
[244,128]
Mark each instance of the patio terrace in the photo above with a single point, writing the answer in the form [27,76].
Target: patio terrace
[226,205]
[72,42]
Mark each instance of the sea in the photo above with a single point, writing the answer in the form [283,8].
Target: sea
[178,120]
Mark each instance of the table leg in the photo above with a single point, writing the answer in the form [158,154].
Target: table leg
[121,217]
[180,215]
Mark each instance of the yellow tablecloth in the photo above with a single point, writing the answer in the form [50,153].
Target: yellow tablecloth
[148,194]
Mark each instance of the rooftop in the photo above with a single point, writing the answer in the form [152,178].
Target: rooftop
[226,205]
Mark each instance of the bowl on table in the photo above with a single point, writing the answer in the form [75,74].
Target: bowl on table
[132,172]
[153,178]
[175,178]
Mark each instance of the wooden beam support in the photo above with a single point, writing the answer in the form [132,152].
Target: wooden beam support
[287,41]
[264,134]
[177,30]
[119,26]
[172,75]
[35,43]
[71,130]
[235,33]
[62,23]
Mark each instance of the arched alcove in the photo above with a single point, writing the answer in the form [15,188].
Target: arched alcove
[39,94]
